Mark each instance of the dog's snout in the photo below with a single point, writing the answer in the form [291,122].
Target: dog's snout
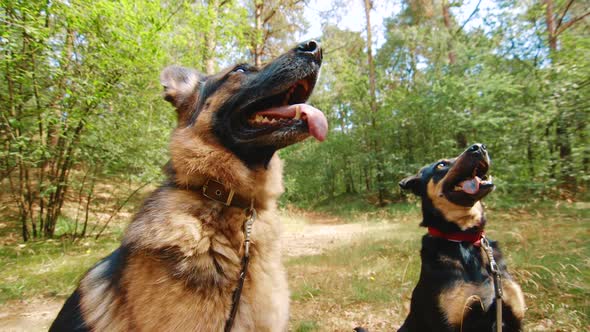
[477,149]
[312,48]
[308,46]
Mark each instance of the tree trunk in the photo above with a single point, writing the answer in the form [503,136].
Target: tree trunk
[447,20]
[550,21]
[367,178]
[210,37]
[373,104]
[257,44]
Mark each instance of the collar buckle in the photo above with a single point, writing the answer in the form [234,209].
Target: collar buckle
[216,191]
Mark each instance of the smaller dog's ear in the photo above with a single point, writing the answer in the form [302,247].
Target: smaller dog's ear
[412,183]
[179,83]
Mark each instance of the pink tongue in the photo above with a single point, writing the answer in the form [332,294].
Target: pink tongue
[470,186]
[316,121]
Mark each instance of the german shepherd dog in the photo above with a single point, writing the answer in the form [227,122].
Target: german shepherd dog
[456,291]
[180,259]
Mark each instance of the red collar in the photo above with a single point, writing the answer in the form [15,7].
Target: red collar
[473,238]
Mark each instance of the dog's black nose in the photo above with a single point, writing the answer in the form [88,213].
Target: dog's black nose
[312,48]
[477,148]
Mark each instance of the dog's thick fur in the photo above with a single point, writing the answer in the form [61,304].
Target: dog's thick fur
[179,260]
[455,291]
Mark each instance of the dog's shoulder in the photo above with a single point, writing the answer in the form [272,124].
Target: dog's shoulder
[171,217]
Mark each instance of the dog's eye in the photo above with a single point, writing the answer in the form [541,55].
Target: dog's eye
[441,165]
[239,69]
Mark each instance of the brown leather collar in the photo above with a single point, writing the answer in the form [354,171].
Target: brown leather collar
[216,191]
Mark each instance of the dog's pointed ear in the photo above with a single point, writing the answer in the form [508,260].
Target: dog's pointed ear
[412,183]
[179,83]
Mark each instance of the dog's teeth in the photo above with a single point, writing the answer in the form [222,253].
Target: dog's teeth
[488,180]
[297,114]
[273,121]
[458,188]
[258,118]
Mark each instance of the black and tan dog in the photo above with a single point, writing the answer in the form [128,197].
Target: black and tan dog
[455,291]
[180,258]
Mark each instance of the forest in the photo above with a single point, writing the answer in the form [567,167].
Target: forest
[84,131]
[81,102]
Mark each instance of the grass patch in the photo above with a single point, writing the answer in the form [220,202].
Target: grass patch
[306,326]
[49,268]
[305,291]
[370,277]
[352,207]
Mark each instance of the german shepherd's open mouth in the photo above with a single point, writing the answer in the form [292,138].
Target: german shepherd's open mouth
[285,111]
[266,110]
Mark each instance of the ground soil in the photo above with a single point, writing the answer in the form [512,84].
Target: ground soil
[306,239]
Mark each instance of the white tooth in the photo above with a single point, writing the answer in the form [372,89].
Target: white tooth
[258,118]
[264,119]
[273,121]
[297,114]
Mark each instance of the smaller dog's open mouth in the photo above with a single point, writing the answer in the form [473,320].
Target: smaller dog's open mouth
[478,180]
[288,109]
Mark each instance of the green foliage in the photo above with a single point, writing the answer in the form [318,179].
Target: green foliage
[442,87]
[81,103]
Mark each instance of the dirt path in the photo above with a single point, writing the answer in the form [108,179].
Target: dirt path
[30,315]
[315,239]
[300,239]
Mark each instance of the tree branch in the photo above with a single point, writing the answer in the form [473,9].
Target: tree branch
[570,23]
[269,16]
[119,209]
[172,14]
[469,18]
[567,7]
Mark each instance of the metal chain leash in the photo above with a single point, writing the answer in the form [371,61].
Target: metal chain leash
[248,224]
[497,279]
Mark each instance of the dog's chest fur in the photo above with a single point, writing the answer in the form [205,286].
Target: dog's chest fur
[456,284]
[180,263]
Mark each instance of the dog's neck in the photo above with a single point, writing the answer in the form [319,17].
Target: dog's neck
[194,160]
[455,218]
